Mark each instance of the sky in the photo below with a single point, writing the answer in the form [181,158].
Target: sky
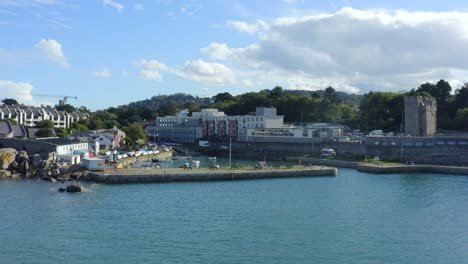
[113,52]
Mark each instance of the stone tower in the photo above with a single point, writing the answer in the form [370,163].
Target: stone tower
[420,116]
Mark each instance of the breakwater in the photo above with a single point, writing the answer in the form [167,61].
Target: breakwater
[175,175]
[384,168]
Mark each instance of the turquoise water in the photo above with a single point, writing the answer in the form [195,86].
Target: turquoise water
[353,218]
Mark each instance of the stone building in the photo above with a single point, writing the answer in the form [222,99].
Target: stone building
[420,116]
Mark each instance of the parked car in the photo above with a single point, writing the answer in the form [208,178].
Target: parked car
[327,153]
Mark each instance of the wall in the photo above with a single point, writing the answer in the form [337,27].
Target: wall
[30,146]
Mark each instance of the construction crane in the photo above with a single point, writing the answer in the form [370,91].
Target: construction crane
[61,102]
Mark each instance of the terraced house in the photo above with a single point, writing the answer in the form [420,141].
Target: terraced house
[30,115]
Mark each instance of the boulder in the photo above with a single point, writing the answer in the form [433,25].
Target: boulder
[29,175]
[61,189]
[7,156]
[37,161]
[13,166]
[5,174]
[23,167]
[16,176]
[22,156]
[74,188]
[63,177]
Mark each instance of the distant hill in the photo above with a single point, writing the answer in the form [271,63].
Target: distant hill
[345,97]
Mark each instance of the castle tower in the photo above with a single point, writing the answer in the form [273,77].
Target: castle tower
[420,116]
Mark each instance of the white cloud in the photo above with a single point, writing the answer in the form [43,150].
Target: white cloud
[105,73]
[206,72]
[351,49]
[150,70]
[20,91]
[243,27]
[139,7]
[52,50]
[196,70]
[113,4]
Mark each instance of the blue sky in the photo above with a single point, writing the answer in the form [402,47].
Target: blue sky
[112,52]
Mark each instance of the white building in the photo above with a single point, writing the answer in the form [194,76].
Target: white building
[30,115]
[213,123]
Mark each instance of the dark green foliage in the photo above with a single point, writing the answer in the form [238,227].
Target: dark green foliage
[136,133]
[45,124]
[381,110]
[62,133]
[11,120]
[44,132]
[9,101]
[67,108]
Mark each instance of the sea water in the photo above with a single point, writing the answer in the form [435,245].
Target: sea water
[353,218]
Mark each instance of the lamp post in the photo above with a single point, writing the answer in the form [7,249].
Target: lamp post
[230,145]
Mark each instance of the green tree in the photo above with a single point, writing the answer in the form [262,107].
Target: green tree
[44,132]
[135,132]
[62,133]
[67,108]
[331,95]
[221,97]
[45,124]
[381,110]
[276,93]
[9,101]
[168,109]
[11,120]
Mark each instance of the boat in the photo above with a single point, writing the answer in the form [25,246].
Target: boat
[181,158]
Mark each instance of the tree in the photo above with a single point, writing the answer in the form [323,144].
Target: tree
[276,93]
[44,132]
[135,132]
[11,120]
[381,110]
[67,108]
[9,101]
[331,95]
[221,97]
[45,124]
[168,109]
[62,133]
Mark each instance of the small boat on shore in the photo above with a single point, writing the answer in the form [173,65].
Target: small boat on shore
[181,158]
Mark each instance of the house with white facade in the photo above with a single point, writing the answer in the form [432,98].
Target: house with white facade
[30,115]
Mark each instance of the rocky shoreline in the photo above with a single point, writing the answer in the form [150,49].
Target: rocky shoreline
[21,165]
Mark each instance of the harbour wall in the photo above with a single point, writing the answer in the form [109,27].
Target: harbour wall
[211,176]
[456,155]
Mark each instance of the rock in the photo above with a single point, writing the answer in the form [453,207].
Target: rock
[61,189]
[52,180]
[16,176]
[37,161]
[75,188]
[76,175]
[63,177]
[7,156]
[45,164]
[13,166]
[23,167]
[29,174]
[22,156]
[5,174]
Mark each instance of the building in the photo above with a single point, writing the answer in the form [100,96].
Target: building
[30,115]
[420,116]
[316,132]
[213,124]
[7,130]
[65,146]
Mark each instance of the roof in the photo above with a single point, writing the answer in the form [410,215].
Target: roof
[57,141]
[19,131]
[5,128]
